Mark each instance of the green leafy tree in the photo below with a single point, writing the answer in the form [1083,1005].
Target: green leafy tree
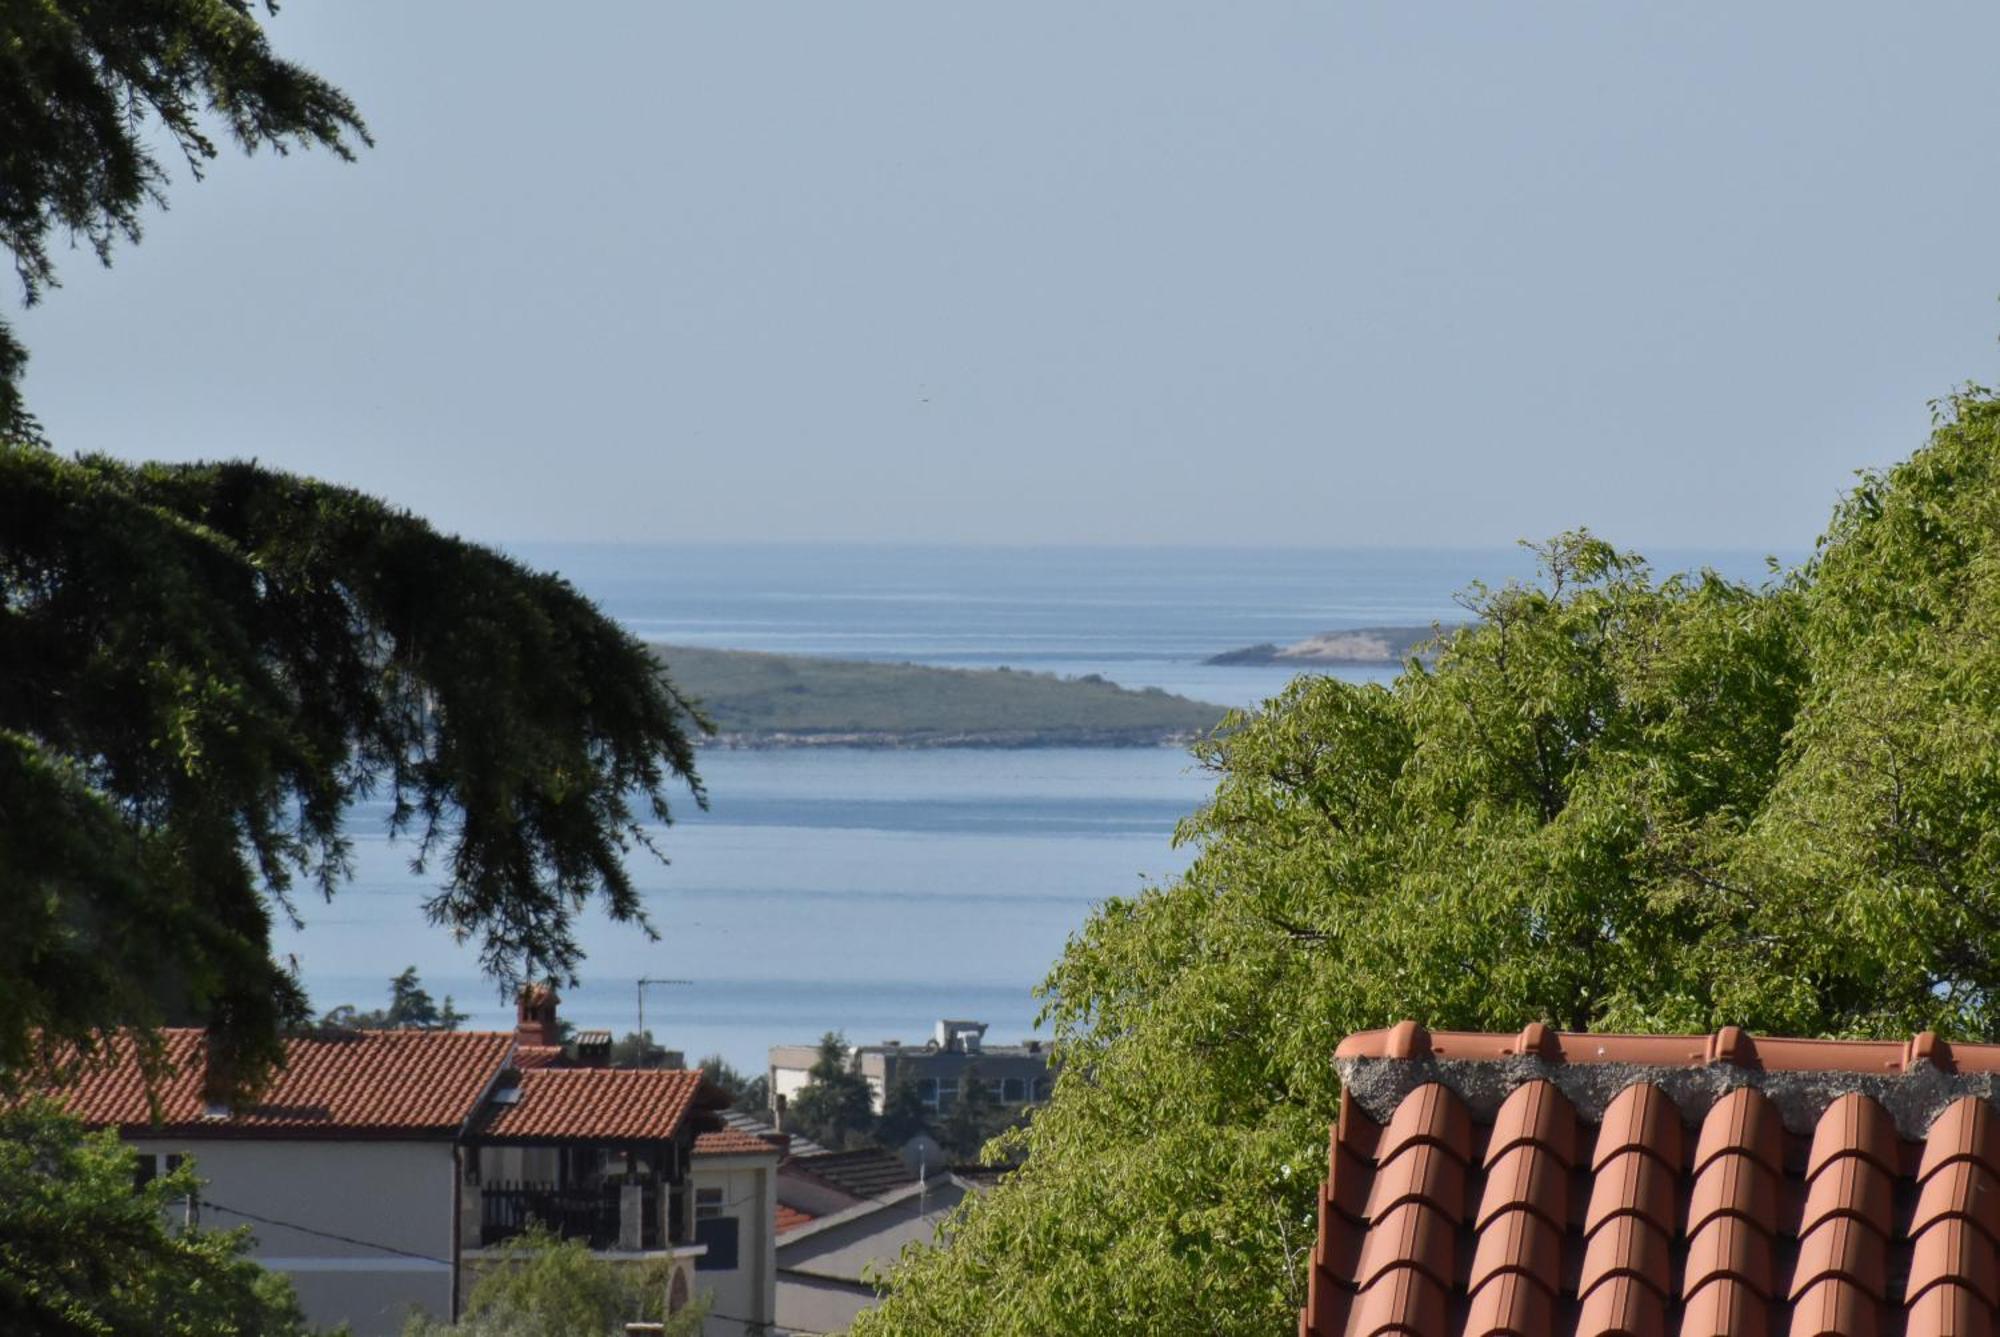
[746,1093]
[83,1253]
[636,1050]
[836,1106]
[203,666]
[88,94]
[903,1115]
[1615,802]
[411,1008]
[542,1286]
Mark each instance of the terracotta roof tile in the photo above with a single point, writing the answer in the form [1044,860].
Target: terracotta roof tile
[593,1105]
[538,1056]
[791,1218]
[1566,1184]
[359,1084]
[732,1142]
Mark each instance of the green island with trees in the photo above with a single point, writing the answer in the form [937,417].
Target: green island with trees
[766,700]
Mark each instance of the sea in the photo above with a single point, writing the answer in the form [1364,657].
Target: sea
[873,892]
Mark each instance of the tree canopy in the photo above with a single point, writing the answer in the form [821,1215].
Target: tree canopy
[750,1094]
[82,1254]
[203,666]
[542,1286]
[88,89]
[1616,801]
[836,1106]
[411,1008]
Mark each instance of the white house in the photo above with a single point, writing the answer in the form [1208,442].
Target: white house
[735,1219]
[346,1171]
[384,1170]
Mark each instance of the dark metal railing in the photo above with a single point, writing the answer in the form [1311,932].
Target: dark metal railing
[508,1208]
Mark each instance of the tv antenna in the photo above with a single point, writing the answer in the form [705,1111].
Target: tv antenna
[644,1043]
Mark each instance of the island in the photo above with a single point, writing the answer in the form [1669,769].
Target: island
[771,700]
[1356,646]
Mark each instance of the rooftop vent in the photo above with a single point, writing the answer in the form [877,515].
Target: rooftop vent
[960,1037]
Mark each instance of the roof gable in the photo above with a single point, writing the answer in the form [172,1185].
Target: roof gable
[1570,1183]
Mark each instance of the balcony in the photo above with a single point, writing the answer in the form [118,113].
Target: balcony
[593,1214]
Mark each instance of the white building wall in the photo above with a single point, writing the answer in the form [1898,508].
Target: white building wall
[394,1196]
[744,1299]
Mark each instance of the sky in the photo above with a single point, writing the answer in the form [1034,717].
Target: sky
[1314,274]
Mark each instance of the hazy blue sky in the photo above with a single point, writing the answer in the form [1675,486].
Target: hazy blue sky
[1152,272]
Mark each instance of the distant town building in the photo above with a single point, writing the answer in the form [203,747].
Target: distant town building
[843,1216]
[956,1055]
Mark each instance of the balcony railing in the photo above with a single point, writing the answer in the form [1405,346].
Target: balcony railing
[507,1209]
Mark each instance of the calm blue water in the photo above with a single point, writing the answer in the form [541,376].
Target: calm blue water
[873,892]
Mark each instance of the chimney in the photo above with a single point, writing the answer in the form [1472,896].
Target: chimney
[535,1016]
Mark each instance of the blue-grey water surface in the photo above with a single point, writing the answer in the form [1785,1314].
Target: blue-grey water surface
[875,891]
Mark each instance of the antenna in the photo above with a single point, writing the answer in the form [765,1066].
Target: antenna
[643,982]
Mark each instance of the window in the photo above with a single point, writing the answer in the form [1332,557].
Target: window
[1013,1090]
[947,1094]
[717,1231]
[927,1092]
[1041,1088]
[154,1164]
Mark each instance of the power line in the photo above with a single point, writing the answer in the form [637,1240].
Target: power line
[323,1234]
[750,1324]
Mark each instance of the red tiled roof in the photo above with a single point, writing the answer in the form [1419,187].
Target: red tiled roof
[593,1104]
[367,1083]
[1552,1183]
[791,1218]
[732,1142]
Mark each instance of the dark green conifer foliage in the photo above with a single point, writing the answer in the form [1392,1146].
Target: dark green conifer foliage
[903,1115]
[203,666]
[836,1108]
[411,1008]
[89,87]
[975,1116]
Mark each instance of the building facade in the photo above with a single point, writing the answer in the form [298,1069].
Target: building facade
[955,1056]
[386,1171]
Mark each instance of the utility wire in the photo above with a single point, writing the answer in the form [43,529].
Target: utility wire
[323,1234]
[749,1324]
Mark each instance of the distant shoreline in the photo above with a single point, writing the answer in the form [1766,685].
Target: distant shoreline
[999,740]
[1358,647]
[759,701]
